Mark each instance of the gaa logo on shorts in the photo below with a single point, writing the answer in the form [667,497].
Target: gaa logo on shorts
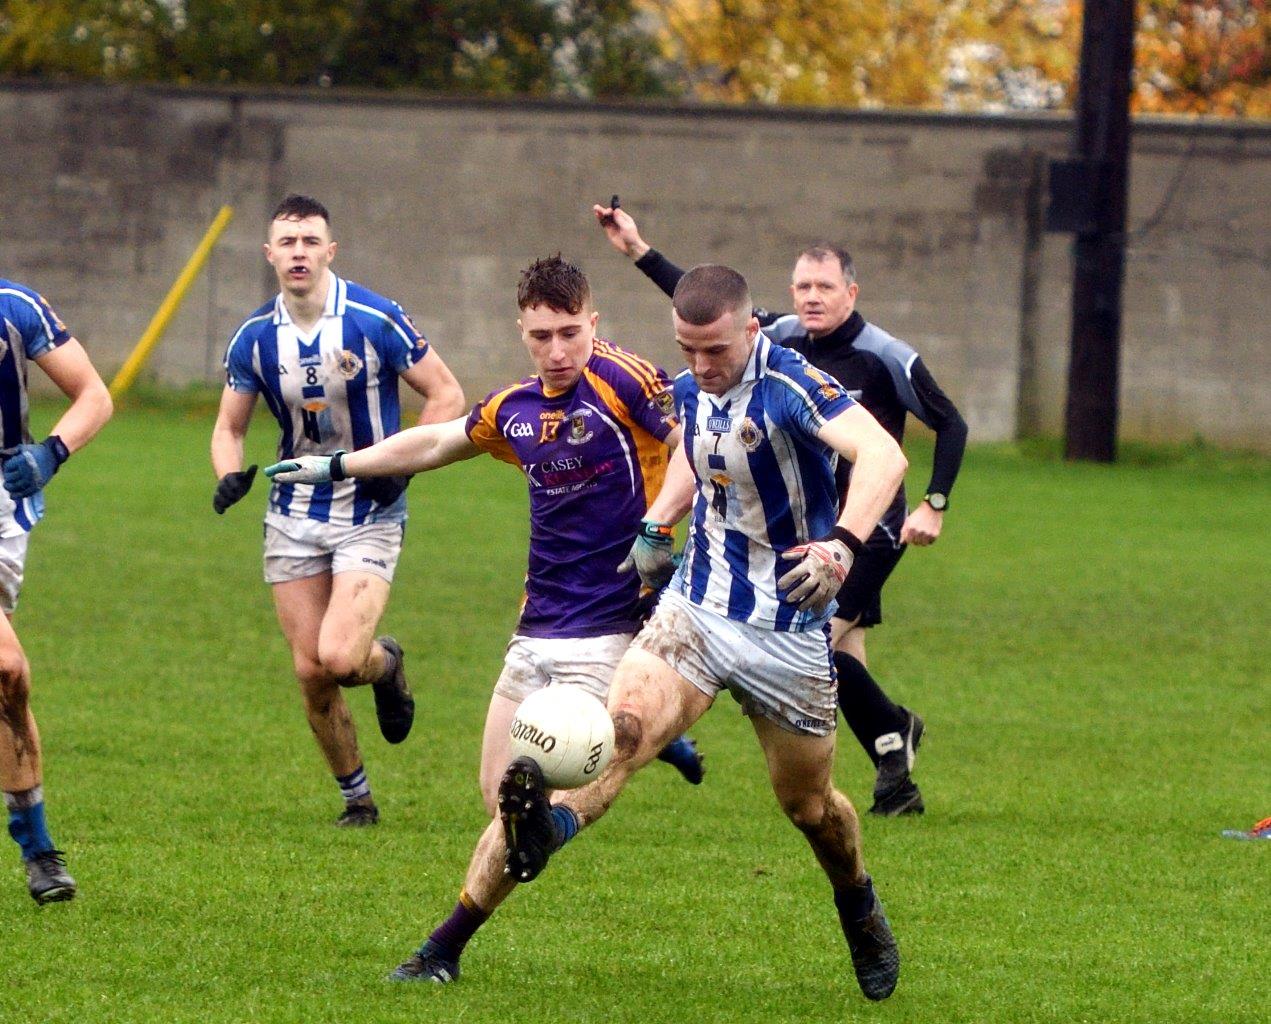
[348,364]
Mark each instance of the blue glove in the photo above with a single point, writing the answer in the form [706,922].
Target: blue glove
[28,467]
[652,554]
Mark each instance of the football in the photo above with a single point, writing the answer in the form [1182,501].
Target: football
[567,732]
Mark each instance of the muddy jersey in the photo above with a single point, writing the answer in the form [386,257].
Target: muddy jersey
[28,329]
[594,457]
[332,388]
[765,483]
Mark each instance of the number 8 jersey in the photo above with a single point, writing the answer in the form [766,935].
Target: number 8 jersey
[333,388]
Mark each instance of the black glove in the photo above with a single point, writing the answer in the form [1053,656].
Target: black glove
[232,488]
[384,490]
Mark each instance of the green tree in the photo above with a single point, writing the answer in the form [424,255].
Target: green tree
[536,47]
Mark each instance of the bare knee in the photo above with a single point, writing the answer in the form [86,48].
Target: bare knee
[628,731]
[316,684]
[15,679]
[340,666]
[806,811]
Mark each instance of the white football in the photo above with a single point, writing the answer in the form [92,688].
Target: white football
[567,732]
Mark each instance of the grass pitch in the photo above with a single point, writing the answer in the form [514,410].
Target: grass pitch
[1088,645]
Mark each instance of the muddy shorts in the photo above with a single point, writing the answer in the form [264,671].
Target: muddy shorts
[12,565]
[534,662]
[787,678]
[298,548]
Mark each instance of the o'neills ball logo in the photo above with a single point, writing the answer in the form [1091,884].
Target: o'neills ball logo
[533,735]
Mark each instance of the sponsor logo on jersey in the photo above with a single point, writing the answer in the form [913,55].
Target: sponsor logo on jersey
[749,434]
[578,432]
[349,364]
[719,424]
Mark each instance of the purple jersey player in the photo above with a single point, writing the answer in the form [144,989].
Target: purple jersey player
[592,432]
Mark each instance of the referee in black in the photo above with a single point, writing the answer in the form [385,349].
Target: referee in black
[889,379]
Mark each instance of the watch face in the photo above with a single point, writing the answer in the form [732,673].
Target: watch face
[937,501]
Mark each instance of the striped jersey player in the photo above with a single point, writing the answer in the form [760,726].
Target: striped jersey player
[326,356]
[766,485]
[332,388]
[30,332]
[590,431]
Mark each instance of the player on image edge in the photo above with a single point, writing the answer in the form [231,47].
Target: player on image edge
[31,331]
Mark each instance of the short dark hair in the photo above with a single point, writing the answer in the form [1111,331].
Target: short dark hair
[828,251]
[708,291]
[298,207]
[555,282]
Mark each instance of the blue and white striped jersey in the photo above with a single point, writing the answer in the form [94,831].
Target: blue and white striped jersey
[333,389]
[765,482]
[28,329]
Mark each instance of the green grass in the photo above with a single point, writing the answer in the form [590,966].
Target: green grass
[1087,644]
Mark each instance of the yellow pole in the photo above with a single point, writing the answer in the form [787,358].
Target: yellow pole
[171,303]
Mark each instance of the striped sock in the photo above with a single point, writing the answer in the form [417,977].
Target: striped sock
[354,787]
[26,821]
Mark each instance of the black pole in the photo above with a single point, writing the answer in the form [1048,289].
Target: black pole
[1103,146]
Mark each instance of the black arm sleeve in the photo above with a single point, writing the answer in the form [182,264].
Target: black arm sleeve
[661,271]
[942,416]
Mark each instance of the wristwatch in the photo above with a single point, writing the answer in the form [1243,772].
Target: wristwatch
[937,501]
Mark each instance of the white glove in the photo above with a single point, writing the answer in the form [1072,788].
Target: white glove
[308,469]
[823,566]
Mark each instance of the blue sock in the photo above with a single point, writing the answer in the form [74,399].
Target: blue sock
[26,822]
[566,824]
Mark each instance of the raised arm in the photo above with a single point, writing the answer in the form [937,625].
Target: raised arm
[620,228]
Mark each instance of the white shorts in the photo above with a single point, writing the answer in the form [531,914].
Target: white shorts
[296,549]
[787,678]
[12,565]
[534,662]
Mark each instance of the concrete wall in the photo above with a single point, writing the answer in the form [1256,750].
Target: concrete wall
[440,202]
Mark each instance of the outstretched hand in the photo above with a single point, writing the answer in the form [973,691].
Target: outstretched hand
[308,469]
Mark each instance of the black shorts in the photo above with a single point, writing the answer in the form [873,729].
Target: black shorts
[861,595]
